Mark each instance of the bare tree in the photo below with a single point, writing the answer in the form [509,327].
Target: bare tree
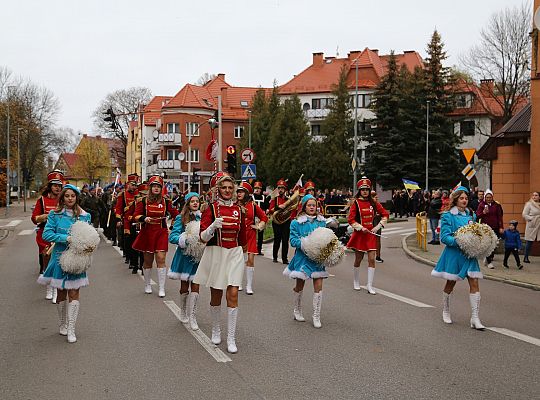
[125,104]
[205,78]
[503,55]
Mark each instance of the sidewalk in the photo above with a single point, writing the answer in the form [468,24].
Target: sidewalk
[16,211]
[528,277]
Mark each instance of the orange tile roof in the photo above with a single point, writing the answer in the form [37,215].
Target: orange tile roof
[70,159]
[483,102]
[152,111]
[192,96]
[323,73]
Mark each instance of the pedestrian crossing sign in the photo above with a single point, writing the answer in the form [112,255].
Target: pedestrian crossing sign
[249,171]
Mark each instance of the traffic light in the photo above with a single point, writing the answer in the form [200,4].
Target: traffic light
[111,117]
[231,159]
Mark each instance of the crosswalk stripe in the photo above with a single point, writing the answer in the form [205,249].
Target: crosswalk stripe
[15,222]
[26,232]
[205,342]
[516,335]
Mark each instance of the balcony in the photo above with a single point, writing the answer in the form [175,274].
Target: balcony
[170,139]
[169,165]
[317,113]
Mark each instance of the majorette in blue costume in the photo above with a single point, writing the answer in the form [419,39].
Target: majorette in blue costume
[57,231]
[222,264]
[184,265]
[454,265]
[303,267]
[363,240]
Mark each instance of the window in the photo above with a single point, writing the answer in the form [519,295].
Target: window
[463,101]
[315,104]
[192,128]
[113,174]
[173,154]
[467,128]
[364,100]
[238,132]
[315,130]
[306,107]
[173,128]
[244,103]
[194,156]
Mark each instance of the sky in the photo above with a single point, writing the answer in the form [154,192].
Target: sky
[82,51]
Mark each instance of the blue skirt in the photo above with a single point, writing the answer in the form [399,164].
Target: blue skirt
[55,277]
[302,267]
[182,267]
[454,266]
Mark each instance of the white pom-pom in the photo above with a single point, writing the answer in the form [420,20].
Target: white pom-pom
[476,240]
[194,246]
[323,247]
[84,240]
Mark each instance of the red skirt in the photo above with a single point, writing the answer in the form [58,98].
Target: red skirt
[152,238]
[362,241]
[251,236]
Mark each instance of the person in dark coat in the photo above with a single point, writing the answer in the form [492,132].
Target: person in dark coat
[434,215]
[490,212]
[396,202]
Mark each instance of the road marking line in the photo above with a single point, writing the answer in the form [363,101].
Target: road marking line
[392,229]
[26,232]
[516,335]
[401,298]
[15,222]
[205,342]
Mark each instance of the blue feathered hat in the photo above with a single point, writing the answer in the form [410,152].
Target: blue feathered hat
[190,195]
[306,198]
[72,187]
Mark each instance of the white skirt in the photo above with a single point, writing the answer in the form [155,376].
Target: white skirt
[220,267]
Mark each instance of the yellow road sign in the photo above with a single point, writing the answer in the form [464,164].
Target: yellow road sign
[469,154]
[469,172]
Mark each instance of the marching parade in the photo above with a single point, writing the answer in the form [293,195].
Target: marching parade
[270,200]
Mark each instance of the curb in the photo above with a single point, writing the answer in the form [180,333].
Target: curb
[3,234]
[422,260]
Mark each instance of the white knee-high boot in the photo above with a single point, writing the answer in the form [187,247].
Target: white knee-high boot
[249,279]
[55,295]
[216,324]
[317,303]
[192,312]
[61,307]
[356,282]
[370,276]
[446,308]
[72,314]
[162,277]
[232,314]
[475,306]
[148,280]
[297,311]
[49,292]
[183,307]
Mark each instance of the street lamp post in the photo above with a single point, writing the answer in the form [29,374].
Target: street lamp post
[249,130]
[8,142]
[19,165]
[427,144]
[355,150]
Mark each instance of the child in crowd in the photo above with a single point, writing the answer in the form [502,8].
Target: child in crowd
[512,243]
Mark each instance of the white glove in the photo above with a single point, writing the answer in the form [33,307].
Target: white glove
[377,227]
[209,232]
[260,226]
[182,240]
[357,227]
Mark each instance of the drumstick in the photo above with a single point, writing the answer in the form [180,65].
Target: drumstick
[50,249]
[376,234]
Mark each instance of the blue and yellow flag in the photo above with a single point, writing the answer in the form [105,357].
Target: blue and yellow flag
[410,184]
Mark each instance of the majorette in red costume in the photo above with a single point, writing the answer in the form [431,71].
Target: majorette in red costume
[222,264]
[363,239]
[153,239]
[124,212]
[254,220]
[44,204]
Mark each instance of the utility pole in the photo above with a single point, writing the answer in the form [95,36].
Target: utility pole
[355,150]
[19,165]
[220,136]
[427,145]
[8,142]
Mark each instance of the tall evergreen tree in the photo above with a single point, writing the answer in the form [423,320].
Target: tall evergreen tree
[444,164]
[333,155]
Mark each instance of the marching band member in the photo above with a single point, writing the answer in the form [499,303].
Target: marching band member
[184,267]
[222,264]
[255,220]
[260,199]
[123,203]
[454,265]
[44,204]
[301,267]
[309,188]
[153,238]
[57,230]
[363,239]
[281,231]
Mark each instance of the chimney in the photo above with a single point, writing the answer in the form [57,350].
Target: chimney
[487,85]
[354,54]
[98,137]
[376,51]
[222,76]
[84,135]
[224,97]
[318,59]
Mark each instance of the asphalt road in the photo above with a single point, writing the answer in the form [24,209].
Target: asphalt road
[131,345]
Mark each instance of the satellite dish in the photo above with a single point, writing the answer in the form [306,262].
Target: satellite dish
[537,18]
[181,156]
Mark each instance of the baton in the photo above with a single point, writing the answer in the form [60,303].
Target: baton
[50,249]
[376,234]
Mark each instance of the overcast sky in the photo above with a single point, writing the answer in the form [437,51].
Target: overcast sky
[82,50]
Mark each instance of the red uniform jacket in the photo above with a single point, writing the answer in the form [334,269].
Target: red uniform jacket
[44,205]
[233,233]
[123,202]
[157,210]
[362,211]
